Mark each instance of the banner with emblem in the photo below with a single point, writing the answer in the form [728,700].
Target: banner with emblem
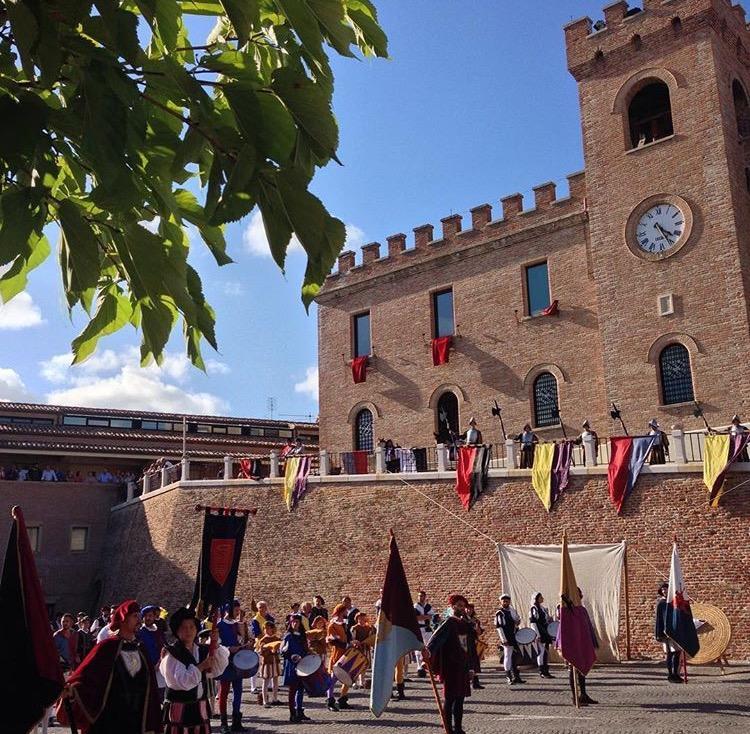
[219,562]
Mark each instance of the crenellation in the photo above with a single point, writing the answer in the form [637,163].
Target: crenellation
[544,195]
[346,261]
[614,13]
[423,235]
[512,206]
[577,186]
[370,252]
[451,226]
[739,11]
[481,216]
[396,244]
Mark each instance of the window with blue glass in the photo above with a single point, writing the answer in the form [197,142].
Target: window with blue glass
[363,433]
[537,289]
[546,412]
[442,311]
[676,376]
[362,335]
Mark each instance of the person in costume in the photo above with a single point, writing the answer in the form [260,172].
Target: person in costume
[476,663]
[473,435]
[114,691]
[66,641]
[660,448]
[152,639]
[336,638]
[449,653]
[670,649]
[507,621]
[186,667]
[583,698]
[735,429]
[293,648]
[229,635]
[318,608]
[363,638]
[539,619]
[528,440]
[586,433]
[425,613]
[316,637]
[267,647]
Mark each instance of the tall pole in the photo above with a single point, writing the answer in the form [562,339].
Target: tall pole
[184,437]
[627,606]
[446,725]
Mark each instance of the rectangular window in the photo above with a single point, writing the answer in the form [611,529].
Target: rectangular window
[256,432]
[148,425]
[204,428]
[219,429]
[79,539]
[537,288]
[442,311]
[234,430]
[165,426]
[282,433]
[362,345]
[74,420]
[120,423]
[35,537]
[98,422]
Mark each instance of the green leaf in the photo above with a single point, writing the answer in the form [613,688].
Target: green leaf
[81,246]
[113,312]
[331,15]
[244,16]
[370,36]
[14,280]
[25,32]
[305,25]
[17,222]
[310,106]
[213,236]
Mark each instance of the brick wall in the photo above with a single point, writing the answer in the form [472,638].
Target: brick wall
[336,542]
[69,579]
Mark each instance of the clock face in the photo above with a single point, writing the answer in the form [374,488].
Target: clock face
[660,228]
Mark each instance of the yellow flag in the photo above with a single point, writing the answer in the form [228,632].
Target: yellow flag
[715,460]
[290,477]
[541,473]
[568,584]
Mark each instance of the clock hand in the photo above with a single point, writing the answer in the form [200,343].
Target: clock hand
[665,234]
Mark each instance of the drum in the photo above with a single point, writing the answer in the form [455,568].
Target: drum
[313,675]
[350,666]
[246,663]
[552,630]
[481,649]
[525,636]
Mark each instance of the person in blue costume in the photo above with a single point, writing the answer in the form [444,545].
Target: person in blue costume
[229,636]
[293,649]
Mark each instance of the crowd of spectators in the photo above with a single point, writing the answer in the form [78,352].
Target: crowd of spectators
[49,473]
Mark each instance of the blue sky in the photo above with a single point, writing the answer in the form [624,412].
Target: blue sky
[475,103]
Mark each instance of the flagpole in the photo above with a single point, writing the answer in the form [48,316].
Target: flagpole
[437,699]
[684,666]
[575,686]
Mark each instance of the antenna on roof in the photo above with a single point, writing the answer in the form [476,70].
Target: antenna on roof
[270,407]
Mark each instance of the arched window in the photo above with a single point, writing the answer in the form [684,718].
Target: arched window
[447,417]
[676,378]
[363,431]
[650,114]
[546,412]
[741,109]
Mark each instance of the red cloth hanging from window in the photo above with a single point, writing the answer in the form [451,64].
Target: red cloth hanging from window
[360,462]
[441,347]
[359,369]
[552,310]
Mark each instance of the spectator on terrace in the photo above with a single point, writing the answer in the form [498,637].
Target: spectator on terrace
[105,477]
[61,475]
[77,477]
[23,474]
[49,475]
[91,478]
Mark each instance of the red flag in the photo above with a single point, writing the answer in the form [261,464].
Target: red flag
[441,348]
[551,310]
[464,474]
[359,369]
[30,676]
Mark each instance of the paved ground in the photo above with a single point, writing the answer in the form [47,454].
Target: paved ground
[633,698]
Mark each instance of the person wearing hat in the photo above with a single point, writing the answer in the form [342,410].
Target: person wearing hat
[186,667]
[539,619]
[449,653]
[153,640]
[507,620]
[338,641]
[586,434]
[528,440]
[473,435]
[229,635]
[113,691]
[670,649]
[660,448]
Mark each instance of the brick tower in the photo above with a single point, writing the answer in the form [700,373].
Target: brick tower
[665,123]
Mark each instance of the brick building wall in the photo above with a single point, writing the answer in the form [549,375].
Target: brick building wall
[336,542]
[605,345]
[69,578]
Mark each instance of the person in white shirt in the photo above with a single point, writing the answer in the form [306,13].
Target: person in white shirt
[425,615]
[23,475]
[473,435]
[105,633]
[49,475]
[186,666]
[507,620]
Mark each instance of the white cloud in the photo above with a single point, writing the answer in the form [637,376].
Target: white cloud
[308,386]
[256,243]
[116,380]
[12,387]
[20,313]
[233,288]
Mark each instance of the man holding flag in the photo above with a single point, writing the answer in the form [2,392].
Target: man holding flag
[678,623]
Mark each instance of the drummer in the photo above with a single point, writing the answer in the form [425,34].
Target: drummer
[539,619]
[336,638]
[294,647]
[506,624]
[363,638]
[229,636]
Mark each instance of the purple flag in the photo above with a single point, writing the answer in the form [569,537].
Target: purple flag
[561,469]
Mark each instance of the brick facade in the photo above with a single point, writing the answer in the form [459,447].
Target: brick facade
[336,542]
[605,344]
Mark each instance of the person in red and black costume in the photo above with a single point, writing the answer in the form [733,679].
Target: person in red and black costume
[449,653]
[113,691]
